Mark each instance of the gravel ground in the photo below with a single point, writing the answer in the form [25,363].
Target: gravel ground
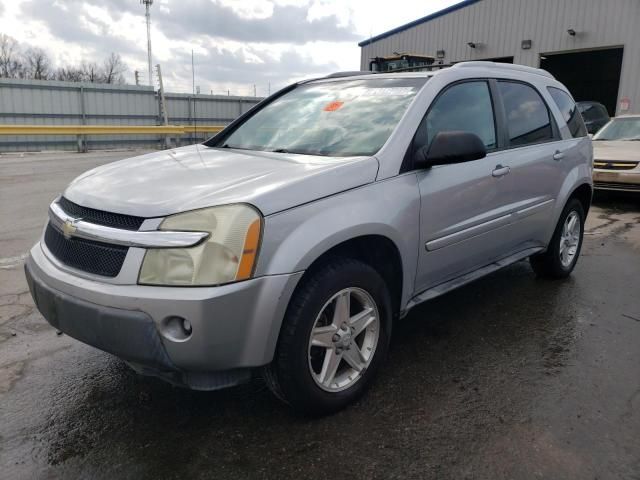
[509,377]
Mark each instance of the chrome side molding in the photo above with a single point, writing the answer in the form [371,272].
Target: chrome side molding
[76,227]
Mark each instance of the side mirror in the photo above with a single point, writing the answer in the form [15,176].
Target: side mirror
[450,147]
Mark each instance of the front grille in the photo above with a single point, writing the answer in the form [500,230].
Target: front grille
[116,220]
[86,255]
[634,187]
[606,165]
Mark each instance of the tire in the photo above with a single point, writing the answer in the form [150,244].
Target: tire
[297,374]
[552,263]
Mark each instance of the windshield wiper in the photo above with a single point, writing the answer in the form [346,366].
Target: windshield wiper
[297,152]
[226,145]
[617,139]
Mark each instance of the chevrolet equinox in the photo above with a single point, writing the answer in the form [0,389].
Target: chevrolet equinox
[288,245]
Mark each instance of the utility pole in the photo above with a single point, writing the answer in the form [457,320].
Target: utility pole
[193,75]
[147,4]
[162,100]
[254,90]
[163,106]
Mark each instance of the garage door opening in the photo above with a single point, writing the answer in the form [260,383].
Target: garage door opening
[592,75]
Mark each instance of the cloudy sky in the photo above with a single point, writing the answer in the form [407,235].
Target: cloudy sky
[236,43]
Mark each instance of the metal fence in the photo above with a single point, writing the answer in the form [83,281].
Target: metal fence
[38,102]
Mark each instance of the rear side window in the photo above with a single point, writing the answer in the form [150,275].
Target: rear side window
[527,115]
[463,107]
[569,111]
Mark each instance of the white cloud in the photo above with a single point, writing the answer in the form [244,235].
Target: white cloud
[237,43]
[253,9]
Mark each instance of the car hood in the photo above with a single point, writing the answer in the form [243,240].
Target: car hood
[187,178]
[621,150]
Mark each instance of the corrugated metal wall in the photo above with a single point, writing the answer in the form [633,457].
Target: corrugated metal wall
[36,102]
[501,25]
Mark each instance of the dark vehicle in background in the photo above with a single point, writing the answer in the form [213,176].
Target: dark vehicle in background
[595,115]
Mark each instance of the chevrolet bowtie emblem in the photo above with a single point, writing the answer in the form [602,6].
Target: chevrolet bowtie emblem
[69,228]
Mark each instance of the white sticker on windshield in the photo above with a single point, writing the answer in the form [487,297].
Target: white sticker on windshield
[388,91]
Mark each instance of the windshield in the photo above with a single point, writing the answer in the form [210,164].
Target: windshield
[342,118]
[620,129]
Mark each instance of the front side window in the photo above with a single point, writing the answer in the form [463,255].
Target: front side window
[528,119]
[338,118]
[569,112]
[463,107]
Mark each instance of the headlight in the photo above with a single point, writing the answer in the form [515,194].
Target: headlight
[228,255]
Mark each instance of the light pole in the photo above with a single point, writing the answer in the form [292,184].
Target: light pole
[147,4]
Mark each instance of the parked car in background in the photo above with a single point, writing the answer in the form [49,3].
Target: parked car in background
[595,115]
[616,153]
[289,244]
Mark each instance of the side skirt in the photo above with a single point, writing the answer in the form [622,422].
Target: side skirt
[445,287]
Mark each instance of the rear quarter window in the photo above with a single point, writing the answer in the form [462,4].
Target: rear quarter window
[527,116]
[569,111]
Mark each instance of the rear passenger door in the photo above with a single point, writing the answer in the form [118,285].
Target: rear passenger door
[534,152]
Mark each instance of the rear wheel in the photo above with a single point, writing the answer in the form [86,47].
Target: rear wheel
[333,339]
[562,254]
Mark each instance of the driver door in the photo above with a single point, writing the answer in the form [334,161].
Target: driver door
[464,213]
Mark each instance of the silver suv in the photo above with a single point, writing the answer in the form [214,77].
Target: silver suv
[289,244]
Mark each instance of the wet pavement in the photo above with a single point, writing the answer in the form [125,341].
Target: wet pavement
[509,377]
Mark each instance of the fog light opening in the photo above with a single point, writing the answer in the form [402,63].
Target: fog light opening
[176,329]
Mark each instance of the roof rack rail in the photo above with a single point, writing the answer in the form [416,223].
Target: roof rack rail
[471,64]
[504,66]
[351,73]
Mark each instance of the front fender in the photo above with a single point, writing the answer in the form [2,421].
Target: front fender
[295,238]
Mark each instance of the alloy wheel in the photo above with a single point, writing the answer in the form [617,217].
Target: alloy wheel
[343,339]
[570,238]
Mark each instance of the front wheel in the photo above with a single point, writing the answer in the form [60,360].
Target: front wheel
[333,339]
[562,254]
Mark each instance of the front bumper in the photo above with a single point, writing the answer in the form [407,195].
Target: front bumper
[235,327]
[621,180]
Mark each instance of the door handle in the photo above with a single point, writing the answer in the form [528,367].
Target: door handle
[558,155]
[500,171]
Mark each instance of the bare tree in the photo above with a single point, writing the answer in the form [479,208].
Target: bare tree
[113,69]
[34,63]
[91,72]
[37,64]
[10,64]
[70,74]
